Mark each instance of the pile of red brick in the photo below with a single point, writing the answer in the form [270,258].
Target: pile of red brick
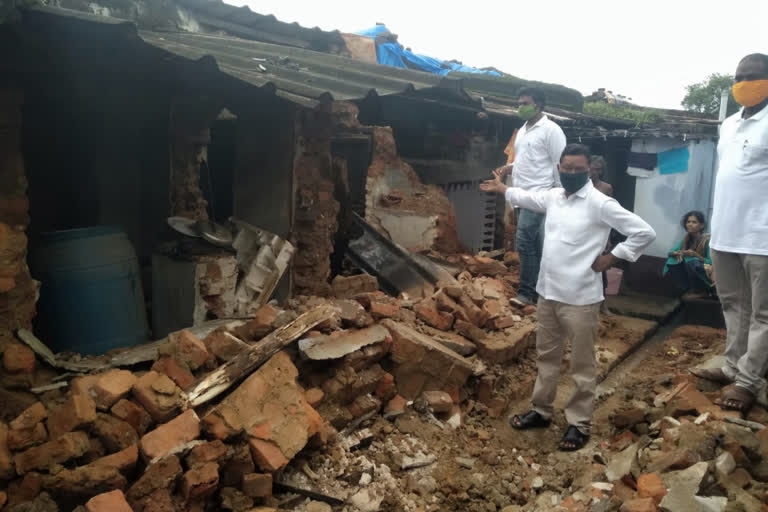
[123,440]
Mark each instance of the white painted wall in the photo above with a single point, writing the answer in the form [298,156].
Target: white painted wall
[662,200]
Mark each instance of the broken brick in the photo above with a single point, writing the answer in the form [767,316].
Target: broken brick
[500,348]
[427,311]
[168,366]
[364,404]
[269,405]
[421,361]
[111,387]
[66,447]
[628,418]
[492,308]
[200,482]
[78,411]
[257,485]
[124,461]
[347,287]
[651,486]
[19,358]
[211,451]
[470,331]
[267,455]
[352,314]
[396,406]
[113,501]
[6,460]
[639,505]
[25,489]
[165,438]
[83,385]
[159,501]
[385,387]
[453,341]
[189,348]
[314,396]
[240,463]
[439,401]
[31,416]
[160,475]
[116,434]
[19,440]
[221,345]
[133,414]
[381,310]
[528,310]
[158,394]
[260,325]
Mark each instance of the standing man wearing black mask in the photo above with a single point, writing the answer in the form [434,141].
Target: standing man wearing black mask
[578,221]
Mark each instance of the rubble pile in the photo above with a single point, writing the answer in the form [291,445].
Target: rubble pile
[185,431]
[673,448]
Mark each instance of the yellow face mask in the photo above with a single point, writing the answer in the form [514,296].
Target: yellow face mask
[750,93]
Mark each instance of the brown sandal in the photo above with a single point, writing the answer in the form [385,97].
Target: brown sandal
[712,374]
[738,399]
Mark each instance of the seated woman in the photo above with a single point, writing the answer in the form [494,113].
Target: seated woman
[689,263]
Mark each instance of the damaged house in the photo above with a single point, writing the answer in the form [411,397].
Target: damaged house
[244,191]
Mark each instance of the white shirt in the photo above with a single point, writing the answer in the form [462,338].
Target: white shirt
[740,213]
[537,152]
[575,233]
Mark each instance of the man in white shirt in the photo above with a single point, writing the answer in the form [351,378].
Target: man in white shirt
[538,146]
[740,237]
[578,222]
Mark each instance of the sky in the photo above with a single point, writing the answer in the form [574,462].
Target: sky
[648,51]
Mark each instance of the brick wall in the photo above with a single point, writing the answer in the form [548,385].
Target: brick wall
[18,292]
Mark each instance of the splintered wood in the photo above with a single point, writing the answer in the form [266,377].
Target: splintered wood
[249,360]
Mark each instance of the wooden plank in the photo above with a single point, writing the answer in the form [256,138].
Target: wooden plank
[240,366]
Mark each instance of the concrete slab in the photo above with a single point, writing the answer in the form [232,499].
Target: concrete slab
[650,307]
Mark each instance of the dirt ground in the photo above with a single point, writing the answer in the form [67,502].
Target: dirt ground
[485,465]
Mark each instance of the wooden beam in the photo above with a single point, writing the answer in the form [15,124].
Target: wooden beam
[244,363]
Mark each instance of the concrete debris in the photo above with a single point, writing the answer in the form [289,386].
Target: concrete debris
[418,461]
[336,347]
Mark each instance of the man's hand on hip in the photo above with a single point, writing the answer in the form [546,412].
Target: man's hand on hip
[604,262]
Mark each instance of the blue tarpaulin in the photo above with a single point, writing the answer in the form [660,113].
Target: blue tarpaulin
[393,54]
[674,161]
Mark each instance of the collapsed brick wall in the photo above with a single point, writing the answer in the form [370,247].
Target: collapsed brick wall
[417,198]
[316,210]
[18,291]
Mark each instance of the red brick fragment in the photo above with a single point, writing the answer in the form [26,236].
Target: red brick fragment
[31,416]
[133,414]
[190,349]
[439,401]
[168,365]
[158,395]
[314,396]
[165,438]
[68,446]
[79,411]
[267,455]
[18,358]
[160,475]
[212,451]
[200,482]
[112,386]
[257,485]
[116,434]
[108,502]
[6,460]
[381,310]
[124,461]
[651,486]
[22,439]
[427,311]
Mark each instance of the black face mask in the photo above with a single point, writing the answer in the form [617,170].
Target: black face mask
[572,182]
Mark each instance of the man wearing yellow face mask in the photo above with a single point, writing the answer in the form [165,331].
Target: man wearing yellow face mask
[739,240]
[537,149]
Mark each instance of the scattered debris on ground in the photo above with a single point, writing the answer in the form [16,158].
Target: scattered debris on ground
[366,402]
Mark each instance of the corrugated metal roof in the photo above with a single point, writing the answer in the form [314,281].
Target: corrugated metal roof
[243,22]
[301,75]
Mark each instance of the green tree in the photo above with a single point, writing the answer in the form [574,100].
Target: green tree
[705,96]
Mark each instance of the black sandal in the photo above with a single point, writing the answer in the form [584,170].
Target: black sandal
[738,399]
[529,420]
[573,440]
